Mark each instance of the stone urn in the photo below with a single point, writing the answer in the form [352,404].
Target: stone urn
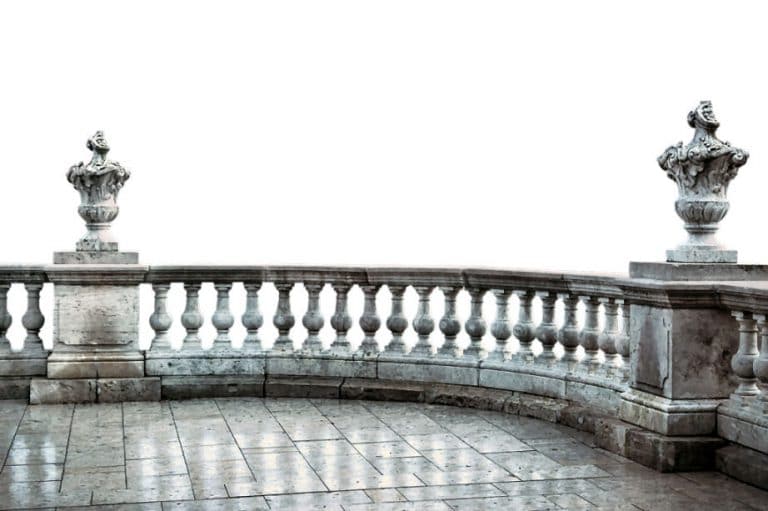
[98,182]
[702,169]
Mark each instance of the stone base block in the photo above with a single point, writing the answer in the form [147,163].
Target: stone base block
[509,379]
[382,390]
[116,390]
[285,386]
[743,464]
[744,425]
[672,454]
[192,387]
[19,364]
[76,363]
[697,271]
[198,362]
[321,364]
[468,397]
[684,417]
[14,388]
[694,255]
[434,370]
[95,257]
[62,391]
[93,390]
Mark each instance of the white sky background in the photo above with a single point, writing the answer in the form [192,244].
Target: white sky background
[469,133]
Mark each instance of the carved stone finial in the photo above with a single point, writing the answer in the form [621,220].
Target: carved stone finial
[98,182]
[702,170]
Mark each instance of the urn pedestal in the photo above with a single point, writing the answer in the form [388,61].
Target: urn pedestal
[96,355]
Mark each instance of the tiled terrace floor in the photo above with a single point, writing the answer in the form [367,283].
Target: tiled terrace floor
[251,454]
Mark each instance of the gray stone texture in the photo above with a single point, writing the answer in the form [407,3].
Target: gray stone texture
[744,464]
[95,257]
[697,271]
[683,353]
[96,315]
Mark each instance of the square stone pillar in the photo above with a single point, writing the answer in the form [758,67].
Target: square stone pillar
[681,344]
[96,355]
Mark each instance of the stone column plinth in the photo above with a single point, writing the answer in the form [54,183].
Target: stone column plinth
[96,355]
[681,344]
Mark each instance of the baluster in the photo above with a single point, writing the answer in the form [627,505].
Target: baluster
[160,320]
[569,333]
[341,321]
[450,326]
[283,318]
[397,323]
[622,342]
[524,330]
[500,328]
[192,320]
[313,319]
[222,319]
[33,319]
[742,362]
[252,319]
[589,335]
[422,322]
[610,334]
[5,317]
[475,325]
[760,365]
[369,321]
[546,332]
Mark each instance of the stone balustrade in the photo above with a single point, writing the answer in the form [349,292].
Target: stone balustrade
[664,365]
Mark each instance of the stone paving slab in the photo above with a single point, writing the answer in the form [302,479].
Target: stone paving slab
[310,454]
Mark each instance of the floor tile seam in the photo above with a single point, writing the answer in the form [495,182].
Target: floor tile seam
[240,449]
[66,450]
[181,446]
[295,447]
[401,439]
[125,457]
[13,439]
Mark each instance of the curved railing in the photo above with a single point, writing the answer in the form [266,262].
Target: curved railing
[578,339]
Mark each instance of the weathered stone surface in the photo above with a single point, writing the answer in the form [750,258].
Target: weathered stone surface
[743,464]
[669,417]
[285,386]
[96,315]
[14,388]
[599,398]
[467,397]
[682,353]
[509,379]
[62,391]
[22,364]
[95,257]
[316,364]
[672,454]
[435,370]
[198,362]
[192,387]
[612,435]
[82,362]
[116,390]
[697,271]
[744,426]
[382,390]
[544,408]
